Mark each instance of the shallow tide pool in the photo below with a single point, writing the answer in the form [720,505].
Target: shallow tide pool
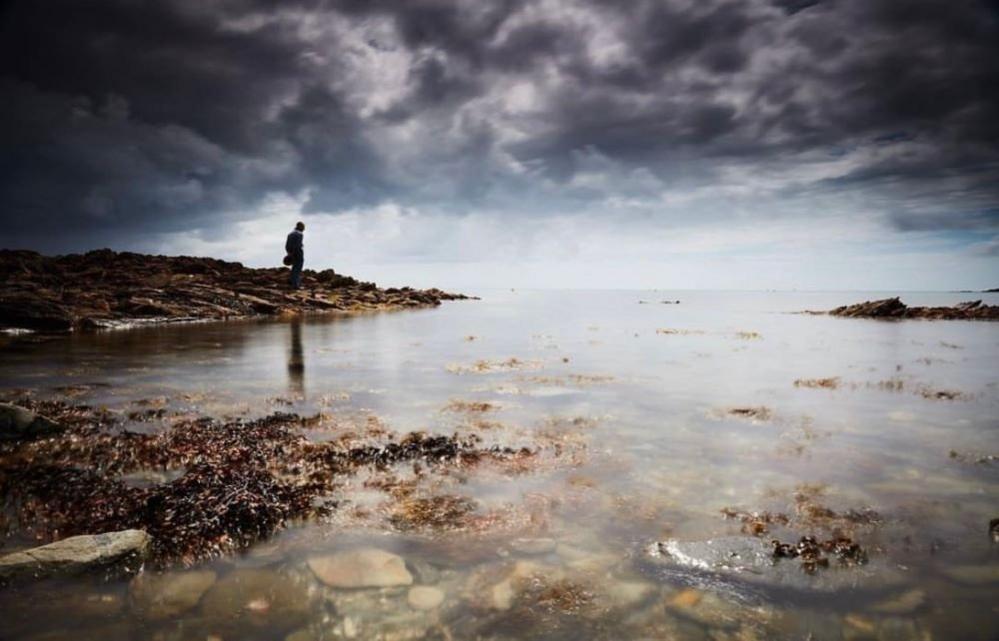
[680,433]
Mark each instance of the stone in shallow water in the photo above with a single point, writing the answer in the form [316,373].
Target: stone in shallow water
[904,603]
[85,606]
[715,610]
[162,596]
[500,596]
[533,546]
[362,568]
[973,574]
[424,572]
[77,554]
[686,598]
[257,597]
[749,561]
[303,634]
[625,593]
[424,598]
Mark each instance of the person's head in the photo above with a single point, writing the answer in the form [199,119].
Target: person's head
[300,226]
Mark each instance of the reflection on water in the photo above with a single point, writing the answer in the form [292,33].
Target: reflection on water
[296,361]
[658,418]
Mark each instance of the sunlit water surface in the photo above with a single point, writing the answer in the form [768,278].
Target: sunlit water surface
[647,450]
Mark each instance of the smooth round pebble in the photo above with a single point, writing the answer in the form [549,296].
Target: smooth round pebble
[424,597]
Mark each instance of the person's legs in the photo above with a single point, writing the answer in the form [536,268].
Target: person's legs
[296,274]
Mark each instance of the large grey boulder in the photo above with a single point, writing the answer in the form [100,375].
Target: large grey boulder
[77,554]
[21,423]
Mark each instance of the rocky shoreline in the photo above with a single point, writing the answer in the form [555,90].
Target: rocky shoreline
[106,289]
[894,308]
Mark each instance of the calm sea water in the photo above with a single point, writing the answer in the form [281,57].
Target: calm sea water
[643,446]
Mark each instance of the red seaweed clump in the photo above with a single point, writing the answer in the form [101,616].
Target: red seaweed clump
[814,554]
[239,481]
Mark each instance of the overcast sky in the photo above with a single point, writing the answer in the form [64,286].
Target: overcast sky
[814,144]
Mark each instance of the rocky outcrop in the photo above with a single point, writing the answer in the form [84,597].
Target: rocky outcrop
[76,554]
[17,423]
[894,308]
[103,289]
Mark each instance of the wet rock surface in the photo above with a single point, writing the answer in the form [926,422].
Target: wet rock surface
[77,554]
[21,423]
[751,563]
[105,289]
[894,308]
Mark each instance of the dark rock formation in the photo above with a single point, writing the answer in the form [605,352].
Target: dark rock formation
[20,423]
[103,288]
[893,308]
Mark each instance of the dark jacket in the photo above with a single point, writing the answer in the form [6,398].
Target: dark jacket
[293,246]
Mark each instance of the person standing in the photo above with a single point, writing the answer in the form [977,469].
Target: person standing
[295,250]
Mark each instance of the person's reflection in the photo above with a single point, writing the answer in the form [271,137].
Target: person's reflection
[296,362]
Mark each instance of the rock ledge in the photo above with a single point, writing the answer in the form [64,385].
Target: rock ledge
[76,554]
[107,289]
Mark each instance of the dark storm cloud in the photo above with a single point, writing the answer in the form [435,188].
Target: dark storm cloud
[125,117]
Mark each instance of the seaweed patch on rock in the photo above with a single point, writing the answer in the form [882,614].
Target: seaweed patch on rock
[815,554]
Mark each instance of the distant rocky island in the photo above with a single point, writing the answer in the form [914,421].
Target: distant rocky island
[894,308]
[106,289]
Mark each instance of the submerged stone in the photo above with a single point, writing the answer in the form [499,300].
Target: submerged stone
[904,603]
[258,597]
[973,574]
[362,568]
[162,596]
[626,593]
[77,554]
[533,546]
[424,597]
